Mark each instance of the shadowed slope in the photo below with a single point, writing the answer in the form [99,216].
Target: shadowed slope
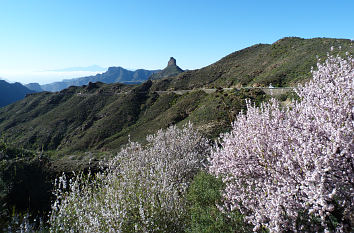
[12,92]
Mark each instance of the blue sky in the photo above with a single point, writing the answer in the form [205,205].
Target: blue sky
[40,36]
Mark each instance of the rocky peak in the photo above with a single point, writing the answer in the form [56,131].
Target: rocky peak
[172,62]
[171,70]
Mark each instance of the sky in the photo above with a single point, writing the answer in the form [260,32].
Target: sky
[39,39]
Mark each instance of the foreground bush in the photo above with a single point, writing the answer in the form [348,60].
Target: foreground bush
[292,169]
[23,223]
[143,189]
[203,215]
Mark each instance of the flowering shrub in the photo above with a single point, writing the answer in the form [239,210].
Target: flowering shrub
[284,167]
[142,189]
[23,223]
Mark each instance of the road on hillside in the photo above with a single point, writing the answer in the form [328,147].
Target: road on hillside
[274,91]
[268,90]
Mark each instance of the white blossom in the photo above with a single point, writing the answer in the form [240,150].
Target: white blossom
[277,162]
[141,191]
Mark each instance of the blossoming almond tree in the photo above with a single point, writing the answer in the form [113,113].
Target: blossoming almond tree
[286,168]
[141,191]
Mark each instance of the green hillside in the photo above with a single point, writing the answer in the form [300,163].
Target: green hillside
[47,133]
[283,63]
[102,116]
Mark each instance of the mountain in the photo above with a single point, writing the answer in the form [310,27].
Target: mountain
[34,87]
[102,116]
[284,63]
[73,129]
[171,70]
[12,92]
[112,75]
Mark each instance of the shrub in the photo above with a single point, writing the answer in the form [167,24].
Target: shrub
[24,223]
[284,167]
[143,189]
[203,196]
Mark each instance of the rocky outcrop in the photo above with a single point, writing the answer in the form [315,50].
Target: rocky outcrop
[171,70]
[172,62]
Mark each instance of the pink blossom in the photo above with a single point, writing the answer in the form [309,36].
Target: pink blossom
[278,161]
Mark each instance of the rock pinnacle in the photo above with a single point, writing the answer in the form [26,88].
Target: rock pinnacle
[172,62]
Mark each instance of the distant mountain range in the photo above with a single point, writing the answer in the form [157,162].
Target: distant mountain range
[12,92]
[112,75]
[105,116]
[34,87]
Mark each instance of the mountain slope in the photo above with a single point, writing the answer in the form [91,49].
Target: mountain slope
[12,92]
[102,116]
[34,87]
[112,75]
[283,63]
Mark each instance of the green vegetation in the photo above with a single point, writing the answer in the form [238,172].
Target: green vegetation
[73,129]
[203,214]
[18,170]
[102,117]
[284,63]
[26,180]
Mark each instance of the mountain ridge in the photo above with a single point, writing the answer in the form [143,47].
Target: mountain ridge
[12,92]
[112,75]
[283,63]
[101,116]
[34,87]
